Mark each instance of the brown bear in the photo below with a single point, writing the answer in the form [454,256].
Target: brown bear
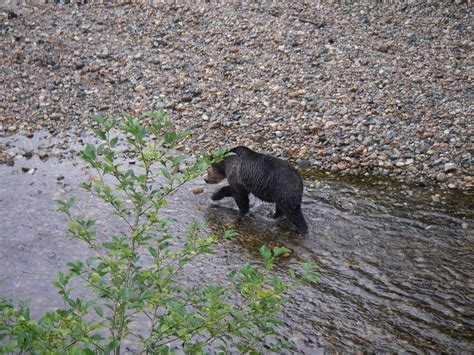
[268,178]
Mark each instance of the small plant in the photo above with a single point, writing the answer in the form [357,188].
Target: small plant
[134,275]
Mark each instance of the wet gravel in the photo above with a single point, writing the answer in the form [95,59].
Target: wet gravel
[372,89]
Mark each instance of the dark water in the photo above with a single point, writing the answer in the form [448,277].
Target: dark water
[396,268]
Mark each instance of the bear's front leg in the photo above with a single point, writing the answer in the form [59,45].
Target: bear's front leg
[221,193]
[242,200]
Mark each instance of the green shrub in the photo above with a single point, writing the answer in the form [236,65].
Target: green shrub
[237,315]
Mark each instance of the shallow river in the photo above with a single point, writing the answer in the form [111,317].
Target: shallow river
[397,269]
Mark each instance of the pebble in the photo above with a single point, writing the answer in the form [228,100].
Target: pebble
[198,190]
[140,89]
[329,124]
[43,154]
[304,164]
[441,177]
[449,167]
[57,153]
[333,89]
[78,64]
[215,125]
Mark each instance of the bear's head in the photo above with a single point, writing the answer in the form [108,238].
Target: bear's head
[215,173]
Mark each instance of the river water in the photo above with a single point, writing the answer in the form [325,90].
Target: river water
[397,270]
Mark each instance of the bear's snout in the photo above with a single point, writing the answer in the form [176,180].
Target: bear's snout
[207,181]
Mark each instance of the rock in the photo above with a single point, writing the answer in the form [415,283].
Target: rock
[294,94]
[198,190]
[304,164]
[215,125]
[315,128]
[104,54]
[329,124]
[78,64]
[43,155]
[140,88]
[341,166]
[334,169]
[367,141]
[441,177]
[305,87]
[449,167]
[348,206]
[435,198]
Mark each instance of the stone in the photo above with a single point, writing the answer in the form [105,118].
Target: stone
[79,64]
[304,164]
[43,155]
[197,190]
[215,125]
[140,88]
[329,124]
[441,177]
[449,167]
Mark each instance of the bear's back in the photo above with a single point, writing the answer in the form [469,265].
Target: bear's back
[265,176]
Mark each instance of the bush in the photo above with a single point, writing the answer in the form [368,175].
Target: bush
[237,315]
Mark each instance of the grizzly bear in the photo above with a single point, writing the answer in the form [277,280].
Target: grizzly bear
[268,178]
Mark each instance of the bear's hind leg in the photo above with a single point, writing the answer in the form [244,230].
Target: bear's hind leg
[296,217]
[225,191]
[278,212]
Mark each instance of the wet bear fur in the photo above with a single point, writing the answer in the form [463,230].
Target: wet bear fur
[268,178]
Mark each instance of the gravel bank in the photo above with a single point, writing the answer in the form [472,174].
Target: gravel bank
[354,89]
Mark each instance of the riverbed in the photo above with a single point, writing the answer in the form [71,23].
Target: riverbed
[396,265]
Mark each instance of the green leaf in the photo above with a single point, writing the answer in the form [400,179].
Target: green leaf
[114,344]
[230,233]
[277,251]
[90,152]
[113,142]
[153,251]
[165,172]
[265,253]
[99,311]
